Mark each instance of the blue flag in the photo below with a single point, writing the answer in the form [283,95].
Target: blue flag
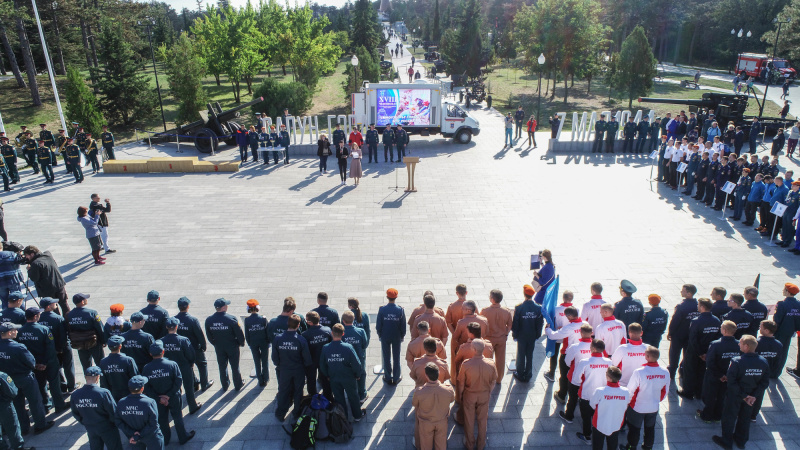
[549,313]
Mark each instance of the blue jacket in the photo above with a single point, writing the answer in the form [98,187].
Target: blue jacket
[702,332]
[756,192]
[358,339]
[178,349]
[719,356]
[527,322]
[759,312]
[391,322]
[255,330]
[748,375]
[137,346]
[241,138]
[38,340]
[363,324]
[629,310]
[768,190]
[224,329]
[85,319]
[118,369]
[328,317]
[58,328]
[109,331]
[317,337]
[685,312]
[8,390]
[546,276]
[779,195]
[771,349]
[163,378]
[743,320]
[654,325]
[290,352]
[17,360]
[156,323]
[787,316]
[189,327]
[280,324]
[138,412]
[94,408]
[720,308]
[13,315]
[339,361]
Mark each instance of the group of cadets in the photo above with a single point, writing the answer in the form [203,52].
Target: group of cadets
[41,154]
[607,356]
[262,136]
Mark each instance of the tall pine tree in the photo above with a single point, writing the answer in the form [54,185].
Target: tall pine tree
[185,71]
[127,95]
[636,66]
[436,32]
[366,29]
[81,104]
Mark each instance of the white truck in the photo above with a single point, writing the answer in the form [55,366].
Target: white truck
[420,107]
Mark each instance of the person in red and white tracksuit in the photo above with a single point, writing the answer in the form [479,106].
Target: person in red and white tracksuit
[630,356]
[591,309]
[568,334]
[560,321]
[592,373]
[609,403]
[648,386]
[611,330]
[575,354]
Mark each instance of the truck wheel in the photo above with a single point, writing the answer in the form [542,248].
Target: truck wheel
[464,137]
[204,139]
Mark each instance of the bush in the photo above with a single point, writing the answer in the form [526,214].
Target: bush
[277,96]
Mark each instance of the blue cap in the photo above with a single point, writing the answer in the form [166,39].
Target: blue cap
[32,312]
[627,286]
[183,302]
[138,317]
[77,298]
[157,348]
[137,382]
[152,296]
[47,301]
[115,341]
[15,295]
[220,302]
[172,322]
[5,327]
[93,371]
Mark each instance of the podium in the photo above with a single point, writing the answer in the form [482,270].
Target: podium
[411,164]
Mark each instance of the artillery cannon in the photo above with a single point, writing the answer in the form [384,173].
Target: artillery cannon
[726,108]
[214,126]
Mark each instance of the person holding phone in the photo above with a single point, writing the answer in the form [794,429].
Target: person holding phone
[355,164]
[545,275]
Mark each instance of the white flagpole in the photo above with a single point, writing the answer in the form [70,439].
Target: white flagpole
[49,66]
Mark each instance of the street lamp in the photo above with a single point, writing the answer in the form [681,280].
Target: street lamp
[148,25]
[774,51]
[738,46]
[539,103]
[354,62]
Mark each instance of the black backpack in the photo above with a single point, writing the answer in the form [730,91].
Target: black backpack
[303,433]
[340,430]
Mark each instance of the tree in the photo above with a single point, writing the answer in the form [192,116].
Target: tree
[310,50]
[292,95]
[463,47]
[11,58]
[126,91]
[789,46]
[27,56]
[185,71]
[81,103]
[436,31]
[636,67]
[366,30]
[368,69]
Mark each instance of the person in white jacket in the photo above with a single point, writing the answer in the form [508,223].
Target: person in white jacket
[648,385]
[576,353]
[591,309]
[631,355]
[611,330]
[592,374]
[609,403]
[568,334]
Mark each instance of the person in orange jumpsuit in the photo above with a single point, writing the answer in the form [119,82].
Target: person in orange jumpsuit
[431,403]
[475,383]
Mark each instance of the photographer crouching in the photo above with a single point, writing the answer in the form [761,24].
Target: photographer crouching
[43,271]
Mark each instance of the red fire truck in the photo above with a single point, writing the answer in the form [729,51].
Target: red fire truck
[760,65]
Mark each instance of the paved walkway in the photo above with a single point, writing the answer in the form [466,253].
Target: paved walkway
[271,232]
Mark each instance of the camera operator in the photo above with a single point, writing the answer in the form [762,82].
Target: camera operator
[11,277]
[43,271]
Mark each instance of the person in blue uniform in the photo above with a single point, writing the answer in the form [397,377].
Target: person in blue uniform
[361,318]
[225,334]
[401,140]
[526,328]
[291,356]
[719,182]
[137,341]
[391,328]
[39,342]
[678,332]
[58,328]
[328,316]
[14,313]
[787,316]
[758,310]
[628,309]
[372,142]
[95,409]
[693,161]
[164,386]
[316,336]
[189,327]
[701,174]
[748,378]
[738,315]
[642,131]
[178,349]
[544,276]
[742,192]
[255,333]
[792,201]
[280,324]
[770,349]
[711,179]
[612,127]
[86,331]
[599,130]
[341,366]
[155,316]
[720,306]
[118,368]
[718,357]
[358,339]
[137,417]
[703,330]
[628,133]
[654,323]
[19,364]
[9,423]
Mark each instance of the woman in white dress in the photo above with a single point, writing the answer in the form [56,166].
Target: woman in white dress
[355,164]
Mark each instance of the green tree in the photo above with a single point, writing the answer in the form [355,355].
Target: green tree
[126,93]
[436,31]
[463,47]
[636,67]
[368,69]
[366,30]
[295,96]
[310,50]
[789,45]
[185,71]
[81,104]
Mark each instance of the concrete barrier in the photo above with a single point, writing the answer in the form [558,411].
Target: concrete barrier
[181,164]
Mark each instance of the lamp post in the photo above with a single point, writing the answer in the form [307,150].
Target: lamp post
[540,60]
[354,62]
[148,24]
[738,46]
[774,51]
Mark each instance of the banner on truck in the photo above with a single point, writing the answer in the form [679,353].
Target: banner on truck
[407,107]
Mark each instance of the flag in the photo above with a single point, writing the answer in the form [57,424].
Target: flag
[758,280]
[549,313]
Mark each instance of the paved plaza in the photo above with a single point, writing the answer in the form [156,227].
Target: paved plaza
[268,232]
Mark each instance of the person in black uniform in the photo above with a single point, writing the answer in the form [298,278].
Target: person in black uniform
[612,127]
[338,136]
[341,366]
[719,356]
[39,342]
[711,179]
[29,151]
[49,142]
[720,306]
[9,424]
[526,329]
[118,368]
[722,177]
[787,316]
[189,327]
[401,141]
[137,341]
[703,330]
[86,331]
[628,132]
[19,365]
[770,349]
[372,142]
[748,378]
[328,316]
[662,167]
[342,153]
[10,159]
[642,131]
[678,332]
[91,151]
[702,175]
[388,142]
[655,321]
[61,145]
[519,120]
[108,142]
[285,143]
[316,336]
[628,309]
[6,180]
[164,386]
[741,317]
[95,409]
[757,309]
[555,123]
[58,328]
[137,417]
[291,357]
[179,350]
[255,333]
[156,316]
[44,156]
[599,130]
[654,132]
[73,156]
[225,334]
[280,324]
[390,325]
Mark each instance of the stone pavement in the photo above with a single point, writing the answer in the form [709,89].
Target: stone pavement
[481,211]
